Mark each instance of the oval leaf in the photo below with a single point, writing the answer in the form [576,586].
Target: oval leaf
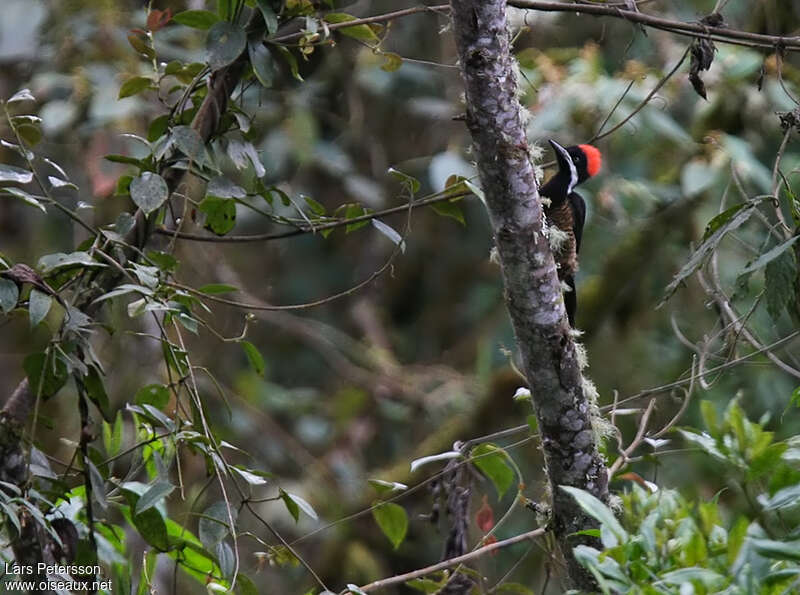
[224,44]
[189,142]
[38,306]
[149,191]
[9,295]
[134,85]
[9,173]
[393,521]
[160,489]
[197,19]
[492,462]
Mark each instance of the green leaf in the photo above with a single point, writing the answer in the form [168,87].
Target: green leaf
[217,288]
[9,173]
[190,143]
[98,485]
[141,46]
[31,134]
[163,260]
[770,255]
[392,520]
[779,283]
[270,18]
[316,207]
[295,504]
[787,497]
[681,576]
[291,61]
[596,509]
[134,85]
[25,197]
[38,306]
[53,375]
[149,191]
[721,225]
[220,214]
[157,128]
[491,460]
[449,209]
[9,295]
[254,357]
[360,32]
[156,395]
[261,61]
[777,550]
[150,525]
[51,262]
[724,217]
[214,524]
[123,159]
[391,62]
[160,489]
[197,19]
[225,8]
[113,435]
[226,41]
[353,210]
[96,391]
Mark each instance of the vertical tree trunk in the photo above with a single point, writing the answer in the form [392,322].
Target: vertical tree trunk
[533,291]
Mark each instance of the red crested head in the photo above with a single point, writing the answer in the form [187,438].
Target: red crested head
[594,159]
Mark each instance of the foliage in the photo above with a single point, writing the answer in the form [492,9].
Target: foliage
[665,543]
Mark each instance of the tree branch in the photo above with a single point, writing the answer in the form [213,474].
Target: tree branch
[533,291]
[402,578]
[722,34]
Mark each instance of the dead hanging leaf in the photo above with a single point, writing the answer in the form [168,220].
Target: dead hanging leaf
[484,518]
[22,273]
[702,51]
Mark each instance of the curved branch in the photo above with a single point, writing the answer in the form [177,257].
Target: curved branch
[722,34]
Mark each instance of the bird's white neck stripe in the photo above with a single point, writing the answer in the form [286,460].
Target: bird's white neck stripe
[573,174]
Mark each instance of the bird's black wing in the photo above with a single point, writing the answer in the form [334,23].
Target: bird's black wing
[578,206]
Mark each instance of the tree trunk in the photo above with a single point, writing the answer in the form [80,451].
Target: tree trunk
[533,291]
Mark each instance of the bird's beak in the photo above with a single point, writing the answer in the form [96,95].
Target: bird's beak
[561,154]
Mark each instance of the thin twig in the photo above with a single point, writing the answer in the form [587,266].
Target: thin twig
[402,578]
[622,459]
[644,101]
[263,237]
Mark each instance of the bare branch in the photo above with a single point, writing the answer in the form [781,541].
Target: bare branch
[402,578]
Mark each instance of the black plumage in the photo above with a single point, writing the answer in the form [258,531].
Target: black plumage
[567,212]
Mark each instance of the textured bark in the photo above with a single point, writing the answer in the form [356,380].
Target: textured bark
[533,292]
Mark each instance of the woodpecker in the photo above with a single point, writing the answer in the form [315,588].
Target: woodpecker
[567,212]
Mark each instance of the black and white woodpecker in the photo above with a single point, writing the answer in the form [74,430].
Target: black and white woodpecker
[567,212]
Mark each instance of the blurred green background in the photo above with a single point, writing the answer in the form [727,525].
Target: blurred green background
[361,386]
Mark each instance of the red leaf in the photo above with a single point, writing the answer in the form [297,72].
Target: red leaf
[157,19]
[484,518]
